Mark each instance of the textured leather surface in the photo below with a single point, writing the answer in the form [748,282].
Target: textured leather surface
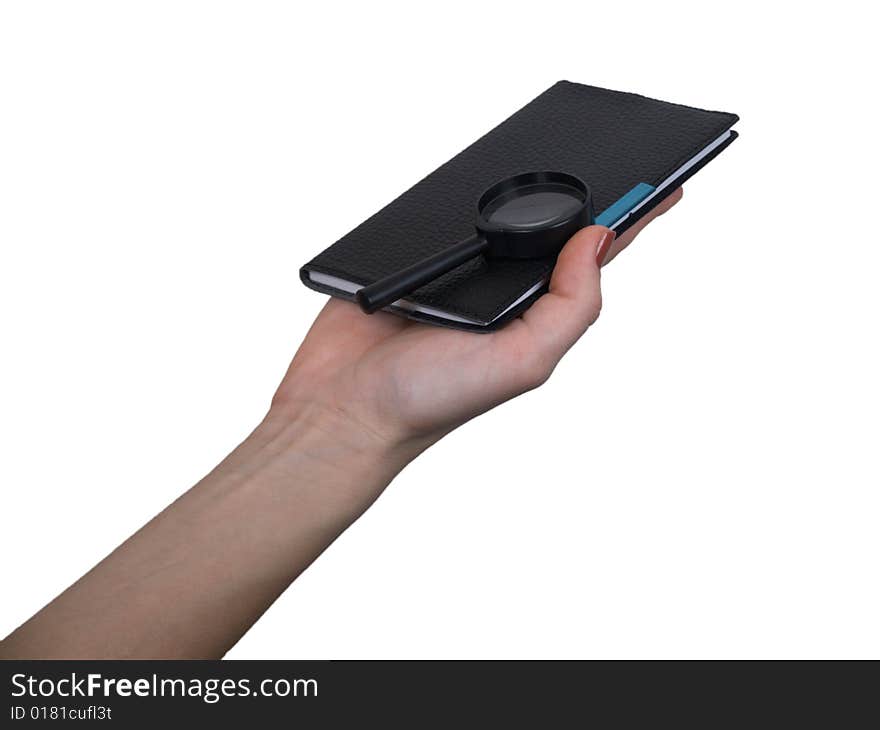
[610,139]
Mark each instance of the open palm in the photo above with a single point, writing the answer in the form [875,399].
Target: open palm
[409,382]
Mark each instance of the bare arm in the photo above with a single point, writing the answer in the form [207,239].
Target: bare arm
[363,397]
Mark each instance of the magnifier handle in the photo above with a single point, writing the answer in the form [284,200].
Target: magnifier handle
[399,284]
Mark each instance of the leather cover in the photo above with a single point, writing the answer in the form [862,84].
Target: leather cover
[610,139]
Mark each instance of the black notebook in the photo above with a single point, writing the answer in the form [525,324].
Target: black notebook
[632,151]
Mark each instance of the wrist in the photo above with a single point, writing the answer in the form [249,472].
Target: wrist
[306,443]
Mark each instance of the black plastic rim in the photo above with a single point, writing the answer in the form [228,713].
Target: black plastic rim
[524,180]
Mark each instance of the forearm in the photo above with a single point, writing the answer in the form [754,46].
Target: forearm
[195,578]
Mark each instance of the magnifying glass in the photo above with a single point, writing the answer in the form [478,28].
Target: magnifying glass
[526,216]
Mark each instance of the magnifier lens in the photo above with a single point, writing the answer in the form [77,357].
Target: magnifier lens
[526,216]
[533,205]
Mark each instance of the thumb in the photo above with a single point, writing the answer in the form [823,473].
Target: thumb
[561,316]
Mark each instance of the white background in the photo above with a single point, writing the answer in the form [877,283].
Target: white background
[698,479]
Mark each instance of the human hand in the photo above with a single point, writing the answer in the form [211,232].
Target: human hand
[403,385]
[364,395]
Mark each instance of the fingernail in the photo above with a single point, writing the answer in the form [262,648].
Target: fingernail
[604,246]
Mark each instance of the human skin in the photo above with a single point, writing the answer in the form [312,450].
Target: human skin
[363,397]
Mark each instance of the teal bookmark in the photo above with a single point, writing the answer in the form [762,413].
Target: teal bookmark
[624,205]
